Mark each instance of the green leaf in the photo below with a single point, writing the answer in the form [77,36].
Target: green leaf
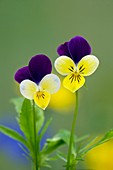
[81,139]
[96,142]
[26,119]
[62,156]
[45,128]
[13,134]
[45,164]
[39,118]
[17,103]
[108,136]
[52,146]
[62,137]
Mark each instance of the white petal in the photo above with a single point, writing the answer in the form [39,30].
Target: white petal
[28,88]
[50,83]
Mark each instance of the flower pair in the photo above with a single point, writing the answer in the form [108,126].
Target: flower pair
[75,62]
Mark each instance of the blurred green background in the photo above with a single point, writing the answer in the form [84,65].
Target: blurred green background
[32,27]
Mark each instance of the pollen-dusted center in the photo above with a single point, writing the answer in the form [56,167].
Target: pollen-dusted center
[40,94]
[75,77]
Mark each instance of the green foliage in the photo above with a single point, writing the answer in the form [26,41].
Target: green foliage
[13,134]
[17,103]
[61,138]
[25,116]
[81,150]
[26,109]
[96,142]
[52,145]
[44,129]
[25,120]
[39,118]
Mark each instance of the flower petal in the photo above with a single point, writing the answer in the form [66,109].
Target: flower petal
[39,66]
[73,83]
[64,65]
[28,88]
[87,65]
[63,50]
[50,83]
[22,74]
[42,99]
[78,48]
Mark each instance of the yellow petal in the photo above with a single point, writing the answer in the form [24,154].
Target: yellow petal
[73,82]
[50,83]
[87,65]
[64,65]
[42,99]
[28,88]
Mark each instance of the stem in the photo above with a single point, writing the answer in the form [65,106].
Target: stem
[72,134]
[35,139]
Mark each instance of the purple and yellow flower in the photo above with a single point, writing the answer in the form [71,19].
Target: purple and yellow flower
[75,62]
[36,81]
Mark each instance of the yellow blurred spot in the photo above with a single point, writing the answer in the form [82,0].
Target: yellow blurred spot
[63,100]
[101,158]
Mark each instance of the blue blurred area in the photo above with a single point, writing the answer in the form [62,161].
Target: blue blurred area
[10,147]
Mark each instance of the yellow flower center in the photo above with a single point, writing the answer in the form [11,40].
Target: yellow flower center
[40,94]
[75,77]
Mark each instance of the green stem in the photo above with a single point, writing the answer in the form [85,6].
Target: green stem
[35,139]
[72,134]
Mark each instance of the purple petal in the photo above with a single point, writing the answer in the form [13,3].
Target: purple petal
[63,49]
[78,48]
[22,74]
[39,66]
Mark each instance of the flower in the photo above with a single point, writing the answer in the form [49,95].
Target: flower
[75,62]
[36,82]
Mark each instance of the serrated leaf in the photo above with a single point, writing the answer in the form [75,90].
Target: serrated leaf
[26,119]
[13,134]
[96,142]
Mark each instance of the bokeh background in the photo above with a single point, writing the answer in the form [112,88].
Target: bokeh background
[33,27]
